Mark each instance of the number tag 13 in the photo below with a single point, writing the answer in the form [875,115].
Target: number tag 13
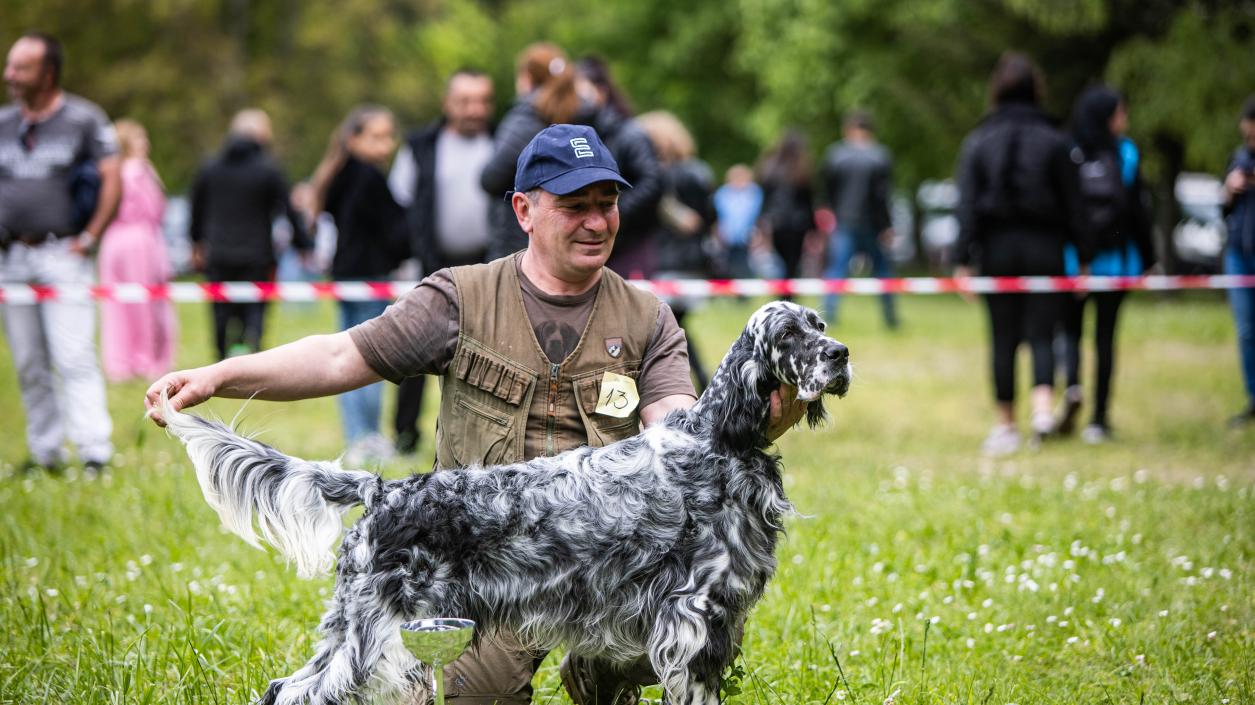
[618,396]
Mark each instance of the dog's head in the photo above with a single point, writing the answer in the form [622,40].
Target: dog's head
[789,340]
[783,343]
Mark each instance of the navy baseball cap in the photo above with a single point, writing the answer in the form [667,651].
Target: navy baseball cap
[563,159]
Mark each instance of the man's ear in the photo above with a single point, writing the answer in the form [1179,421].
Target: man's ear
[522,206]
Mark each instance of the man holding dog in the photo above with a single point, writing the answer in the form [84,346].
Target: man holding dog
[539,352]
[51,220]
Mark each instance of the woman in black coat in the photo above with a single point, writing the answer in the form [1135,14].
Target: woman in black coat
[1019,205]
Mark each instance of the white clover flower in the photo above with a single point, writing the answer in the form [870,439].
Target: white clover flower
[1067,611]
[145,559]
[1072,640]
[935,619]
[1051,619]
[1211,635]
[1063,623]
[825,608]
[1163,613]
[871,601]
[897,608]
[839,695]
[52,592]
[971,643]
[80,581]
[148,609]
[987,603]
[176,567]
[854,653]
[971,616]
[989,628]
[1226,573]
[1115,621]
[32,562]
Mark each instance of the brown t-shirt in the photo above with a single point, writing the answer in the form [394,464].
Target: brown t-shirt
[418,334]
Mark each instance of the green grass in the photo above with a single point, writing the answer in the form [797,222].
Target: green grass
[917,571]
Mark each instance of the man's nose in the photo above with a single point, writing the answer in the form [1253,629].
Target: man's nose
[836,352]
[596,221]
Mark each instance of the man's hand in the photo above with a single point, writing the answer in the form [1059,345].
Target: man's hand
[186,388]
[1236,183]
[786,411]
[962,271]
[85,244]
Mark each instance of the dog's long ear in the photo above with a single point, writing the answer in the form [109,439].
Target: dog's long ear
[737,400]
[816,414]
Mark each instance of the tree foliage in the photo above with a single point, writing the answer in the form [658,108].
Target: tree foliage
[738,72]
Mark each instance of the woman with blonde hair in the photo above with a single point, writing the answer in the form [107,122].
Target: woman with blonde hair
[544,83]
[686,213]
[137,339]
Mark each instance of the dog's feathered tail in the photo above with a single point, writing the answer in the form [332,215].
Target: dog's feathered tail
[298,504]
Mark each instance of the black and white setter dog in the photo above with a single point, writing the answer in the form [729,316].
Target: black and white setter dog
[656,546]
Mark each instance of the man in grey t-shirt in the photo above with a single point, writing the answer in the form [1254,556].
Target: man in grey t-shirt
[46,135]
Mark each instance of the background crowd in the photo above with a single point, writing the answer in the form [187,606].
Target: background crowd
[1036,197]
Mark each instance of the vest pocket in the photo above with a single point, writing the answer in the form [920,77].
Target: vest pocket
[604,430]
[483,434]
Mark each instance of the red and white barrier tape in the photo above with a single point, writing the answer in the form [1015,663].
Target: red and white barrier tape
[243,292]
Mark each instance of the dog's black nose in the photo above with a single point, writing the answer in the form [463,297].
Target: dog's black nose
[836,352]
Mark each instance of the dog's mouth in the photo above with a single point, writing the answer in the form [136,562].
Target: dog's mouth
[839,385]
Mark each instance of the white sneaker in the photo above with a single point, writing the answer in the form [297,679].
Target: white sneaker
[369,450]
[1042,423]
[1003,439]
[1095,434]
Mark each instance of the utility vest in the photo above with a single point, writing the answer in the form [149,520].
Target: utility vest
[500,385]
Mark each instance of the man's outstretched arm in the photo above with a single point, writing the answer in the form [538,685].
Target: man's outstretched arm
[315,366]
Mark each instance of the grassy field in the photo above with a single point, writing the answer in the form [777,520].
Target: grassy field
[917,572]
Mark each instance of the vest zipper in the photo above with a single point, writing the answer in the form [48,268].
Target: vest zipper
[551,423]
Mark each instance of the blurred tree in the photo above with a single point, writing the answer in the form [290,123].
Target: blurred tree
[737,72]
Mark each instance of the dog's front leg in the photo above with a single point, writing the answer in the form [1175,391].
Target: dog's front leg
[690,647]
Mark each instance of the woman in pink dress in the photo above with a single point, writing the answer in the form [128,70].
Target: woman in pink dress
[137,339]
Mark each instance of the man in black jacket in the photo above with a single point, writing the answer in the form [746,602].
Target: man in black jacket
[436,178]
[234,201]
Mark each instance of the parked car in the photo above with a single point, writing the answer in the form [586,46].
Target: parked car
[174,227]
[939,226]
[1199,236]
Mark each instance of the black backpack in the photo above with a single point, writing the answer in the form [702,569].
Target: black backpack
[1103,198]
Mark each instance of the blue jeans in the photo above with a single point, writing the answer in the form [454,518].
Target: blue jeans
[360,408]
[1242,301]
[842,246]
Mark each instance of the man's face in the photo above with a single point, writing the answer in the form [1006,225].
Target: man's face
[24,70]
[1248,133]
[573,234]
[468,104]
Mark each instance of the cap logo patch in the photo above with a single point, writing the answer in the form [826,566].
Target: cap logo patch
[582,150]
